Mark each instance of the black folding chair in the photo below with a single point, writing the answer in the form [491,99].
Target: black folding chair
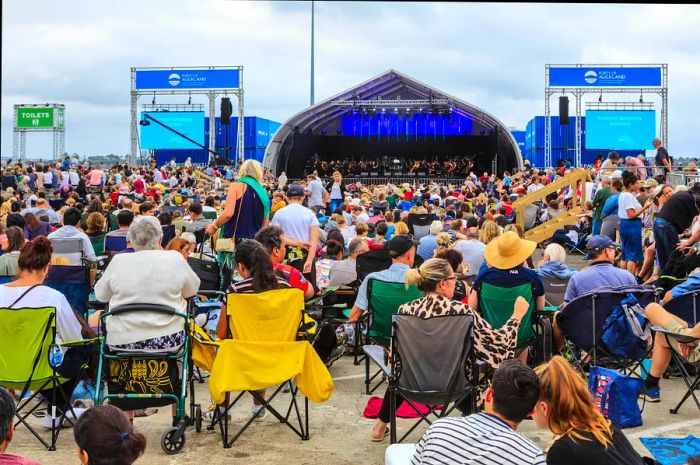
[554,291]
[692,381]
[433,363]
[419,224]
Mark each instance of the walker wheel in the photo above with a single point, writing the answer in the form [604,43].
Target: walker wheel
[170,446]
[198,419]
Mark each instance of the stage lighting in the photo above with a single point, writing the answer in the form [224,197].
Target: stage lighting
[482,132]
[189,100]
[323,131]
[396,110]
[641,98]
[338,131]
[408,110]
[600,99]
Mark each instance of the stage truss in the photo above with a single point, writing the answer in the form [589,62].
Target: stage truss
[211,94]
[579,92]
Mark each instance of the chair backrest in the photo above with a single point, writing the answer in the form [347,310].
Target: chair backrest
[496,305]
[6,279]
[73,282]
[371,261]
[98,244]
[530,216]
[419,224]
[581,319]
[686,307]
[433,354]
[25,333]
[270,316]
[384,299]
[209,215]
[115,243]
[554,290]
[113,222]
[71,248]
[56,204]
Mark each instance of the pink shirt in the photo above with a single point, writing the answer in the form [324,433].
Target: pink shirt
[11,459]
[635,163]
[96,177]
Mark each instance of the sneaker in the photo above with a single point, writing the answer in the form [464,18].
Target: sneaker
[651,395]
[261,409]
[285,387]
[209,414]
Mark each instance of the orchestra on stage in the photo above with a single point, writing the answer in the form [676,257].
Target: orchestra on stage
[389,166]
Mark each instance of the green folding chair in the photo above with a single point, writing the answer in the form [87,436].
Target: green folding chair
[98,244]
[496,306]
[26,337]
[384,299]
[209,215]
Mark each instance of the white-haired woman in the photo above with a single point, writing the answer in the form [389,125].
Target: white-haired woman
[150,275]
[247,211]
[552,265]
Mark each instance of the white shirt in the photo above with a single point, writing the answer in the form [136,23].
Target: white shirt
[534,188]
[137,277]
[67,326]
[625,201]
[74,178]
[72,231]
[295,220]
[316,189]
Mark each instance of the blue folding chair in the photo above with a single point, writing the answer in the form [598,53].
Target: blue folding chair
[685,307]
[114,244]
[73,282]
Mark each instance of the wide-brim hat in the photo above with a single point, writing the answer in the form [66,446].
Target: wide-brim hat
[508,251]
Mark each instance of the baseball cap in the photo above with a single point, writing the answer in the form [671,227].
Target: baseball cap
[295,190]
[399,245]
[449,217]
[599,242]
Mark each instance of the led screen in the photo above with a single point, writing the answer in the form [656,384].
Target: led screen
[156,136]
[620,129]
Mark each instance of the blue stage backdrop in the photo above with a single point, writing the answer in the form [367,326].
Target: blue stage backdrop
[620,129]
[189,123]
[404,125]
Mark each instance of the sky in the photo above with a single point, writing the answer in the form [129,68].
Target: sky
[79,53]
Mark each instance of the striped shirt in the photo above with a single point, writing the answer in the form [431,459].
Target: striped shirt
[479,439]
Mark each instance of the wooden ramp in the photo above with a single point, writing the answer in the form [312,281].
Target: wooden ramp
[577,180]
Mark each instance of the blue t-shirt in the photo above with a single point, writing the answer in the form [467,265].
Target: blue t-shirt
[426,247]
[691,284]
[405,205]
[511,278]
[611,206]
[597,275]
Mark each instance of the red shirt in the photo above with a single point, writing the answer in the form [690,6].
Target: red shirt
[292,276]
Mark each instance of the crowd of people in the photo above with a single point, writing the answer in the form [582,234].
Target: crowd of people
[453,242]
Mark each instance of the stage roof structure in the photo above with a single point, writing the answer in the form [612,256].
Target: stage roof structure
[386,89]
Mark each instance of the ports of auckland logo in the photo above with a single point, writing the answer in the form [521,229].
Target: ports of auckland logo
[590,77]
[174,79]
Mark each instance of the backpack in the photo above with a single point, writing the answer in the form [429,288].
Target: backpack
[615,396]
[626,330]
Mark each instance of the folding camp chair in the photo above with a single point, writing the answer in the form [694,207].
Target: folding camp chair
[554,291]
[264,352]
[114,244]
[384,299]
[581,321]
[98,244]
[56,204]
[209,215]
[686,307]
[371,261]
[6,279]
[27,338]
[433,363]
[71,248]
[419,224]
[691,382]
[73,282]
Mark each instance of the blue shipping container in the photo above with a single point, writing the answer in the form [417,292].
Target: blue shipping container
[563,142]
[519,137]
[257,134]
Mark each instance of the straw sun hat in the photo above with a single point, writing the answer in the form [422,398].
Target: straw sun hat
[508,251]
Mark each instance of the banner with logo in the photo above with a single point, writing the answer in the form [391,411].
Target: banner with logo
[575,76]
[174,79]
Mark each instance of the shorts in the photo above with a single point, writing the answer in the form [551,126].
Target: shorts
[675,327]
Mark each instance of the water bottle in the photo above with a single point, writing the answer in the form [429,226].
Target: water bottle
[55,356]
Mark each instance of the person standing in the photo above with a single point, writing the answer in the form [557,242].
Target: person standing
[316,193]
[336,189]
[673,219]
[662,159]
[601,195]
[247,211]
[629,210]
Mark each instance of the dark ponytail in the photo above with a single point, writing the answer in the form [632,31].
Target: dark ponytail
[255,258]
[108,437]
[629,178]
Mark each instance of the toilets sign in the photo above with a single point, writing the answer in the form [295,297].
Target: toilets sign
[37,117]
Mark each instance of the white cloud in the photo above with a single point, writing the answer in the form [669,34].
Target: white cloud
[493,55]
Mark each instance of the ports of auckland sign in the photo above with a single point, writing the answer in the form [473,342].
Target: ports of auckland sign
[187,79]
[581,76]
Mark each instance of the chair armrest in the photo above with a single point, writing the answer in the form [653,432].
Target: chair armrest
[684,338]
[376,354]
[80,342]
